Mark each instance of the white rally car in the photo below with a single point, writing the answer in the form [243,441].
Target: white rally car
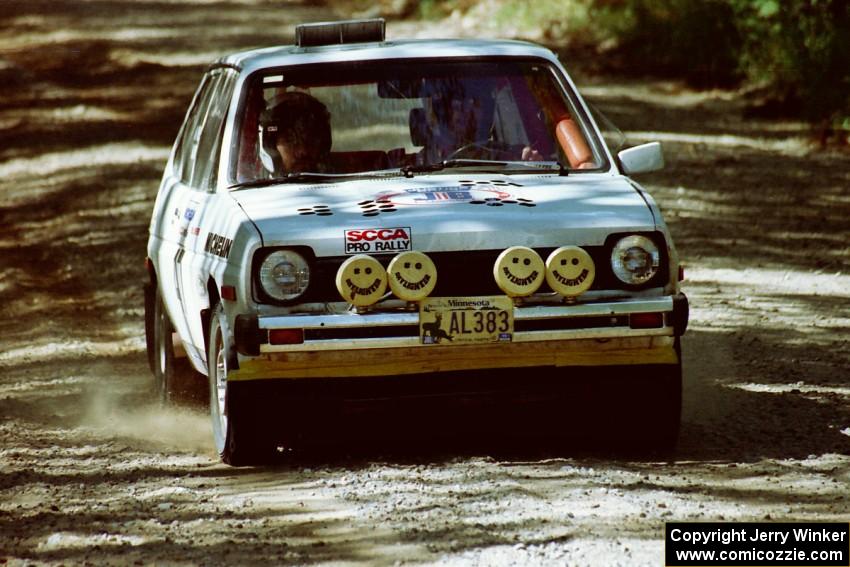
[457,215]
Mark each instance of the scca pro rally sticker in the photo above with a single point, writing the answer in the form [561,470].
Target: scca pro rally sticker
[377,240]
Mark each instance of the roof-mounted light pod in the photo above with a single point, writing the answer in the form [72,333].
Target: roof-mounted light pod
[337,33]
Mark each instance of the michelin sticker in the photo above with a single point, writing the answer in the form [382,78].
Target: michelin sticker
[377,240]
[218,245]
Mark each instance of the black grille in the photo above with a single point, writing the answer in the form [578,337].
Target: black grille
[375,332]
[389,331]
[570,323]
[466,273]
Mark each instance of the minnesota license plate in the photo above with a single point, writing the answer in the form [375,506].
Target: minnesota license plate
[459,320]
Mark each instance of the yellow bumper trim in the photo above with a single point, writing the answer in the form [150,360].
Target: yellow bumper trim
[439,358]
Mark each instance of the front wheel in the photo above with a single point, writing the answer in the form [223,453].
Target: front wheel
[665,405]
[236,433]
[640,407]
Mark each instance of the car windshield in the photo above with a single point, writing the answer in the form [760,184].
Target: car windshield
[353,118]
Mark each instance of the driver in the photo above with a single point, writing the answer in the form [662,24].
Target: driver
[296,134]
[461,131]
[454,125]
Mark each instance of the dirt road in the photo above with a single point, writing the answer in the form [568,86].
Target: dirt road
[91,96]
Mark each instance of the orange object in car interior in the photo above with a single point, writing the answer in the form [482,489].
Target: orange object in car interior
[573,143]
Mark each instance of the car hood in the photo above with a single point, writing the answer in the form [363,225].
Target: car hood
[446,213]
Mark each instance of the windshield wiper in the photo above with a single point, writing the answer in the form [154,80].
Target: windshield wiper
[297,177]
[307,176]
[409,170]
[541,166]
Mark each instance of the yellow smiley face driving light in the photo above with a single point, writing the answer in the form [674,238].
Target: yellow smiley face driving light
[361,280]
[519,271]
[412,276]
[570,271]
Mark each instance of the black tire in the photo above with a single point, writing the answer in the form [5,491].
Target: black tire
[639,408]
[662,431]
[173,376]
[238,438]
[150,289]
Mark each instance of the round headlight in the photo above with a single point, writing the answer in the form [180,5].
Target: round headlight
[284,275]
[635,259]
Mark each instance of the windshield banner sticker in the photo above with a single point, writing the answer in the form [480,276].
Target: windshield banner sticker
[377,240]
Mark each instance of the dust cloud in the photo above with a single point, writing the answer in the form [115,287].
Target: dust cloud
[147,424]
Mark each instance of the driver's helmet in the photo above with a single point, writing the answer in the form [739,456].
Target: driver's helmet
[301,119]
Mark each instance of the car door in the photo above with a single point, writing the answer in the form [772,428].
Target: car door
[192,263]
[173,211]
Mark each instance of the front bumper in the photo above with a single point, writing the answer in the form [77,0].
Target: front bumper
[388,343]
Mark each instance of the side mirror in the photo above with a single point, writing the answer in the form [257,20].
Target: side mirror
[642,159]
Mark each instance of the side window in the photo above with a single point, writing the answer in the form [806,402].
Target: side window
[194,139]
[183,150]
[204,175]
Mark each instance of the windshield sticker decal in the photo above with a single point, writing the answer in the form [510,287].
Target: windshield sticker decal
[377,240]
[442,195]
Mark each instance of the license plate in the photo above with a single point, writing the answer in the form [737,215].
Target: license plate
[461,320]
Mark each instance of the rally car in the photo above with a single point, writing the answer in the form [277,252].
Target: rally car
[350,218]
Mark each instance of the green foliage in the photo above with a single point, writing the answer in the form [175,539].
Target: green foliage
[436,9]
[697,40]
[801,49]
[433,9]
[554,18]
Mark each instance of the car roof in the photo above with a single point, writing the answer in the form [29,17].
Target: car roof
[395,49]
